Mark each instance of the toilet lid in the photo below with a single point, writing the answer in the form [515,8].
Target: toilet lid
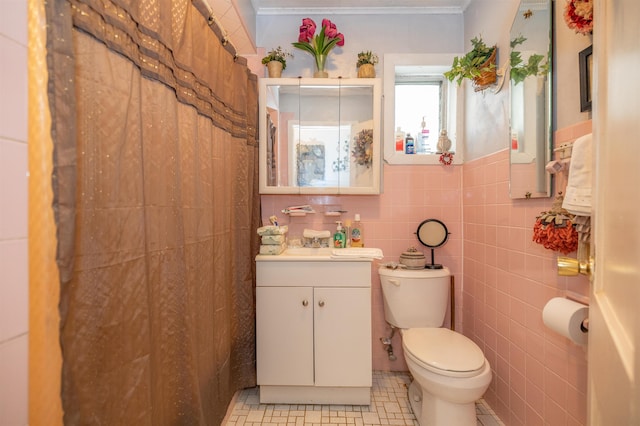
[443,349]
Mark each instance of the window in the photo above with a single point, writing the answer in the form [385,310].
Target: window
[421,102]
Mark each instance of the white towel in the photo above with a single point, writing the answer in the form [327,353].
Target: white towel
[272,249]
[310,233]
[272,230]
[357,252]
[577,198]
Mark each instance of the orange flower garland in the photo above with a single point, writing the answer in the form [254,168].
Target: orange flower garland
[554,229]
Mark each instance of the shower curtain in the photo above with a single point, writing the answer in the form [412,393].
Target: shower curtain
[156,206]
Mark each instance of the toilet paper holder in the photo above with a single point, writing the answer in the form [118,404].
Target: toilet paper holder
[567,317]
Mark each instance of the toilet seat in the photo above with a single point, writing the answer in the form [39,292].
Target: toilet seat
[443,351]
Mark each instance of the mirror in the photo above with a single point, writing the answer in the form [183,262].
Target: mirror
[530,82]
[432,233]
[319,137]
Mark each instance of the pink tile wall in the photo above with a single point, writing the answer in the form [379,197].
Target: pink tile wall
[411,195]
[540,377]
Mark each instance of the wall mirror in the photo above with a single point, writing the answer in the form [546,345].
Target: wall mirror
[530,82]
[320,136]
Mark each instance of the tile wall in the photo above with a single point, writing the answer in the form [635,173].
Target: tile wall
[13,213]
[540,377]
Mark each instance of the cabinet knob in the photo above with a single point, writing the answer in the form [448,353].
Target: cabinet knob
[321,303]
[305,302]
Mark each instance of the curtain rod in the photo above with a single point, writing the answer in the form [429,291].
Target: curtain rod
[207,11]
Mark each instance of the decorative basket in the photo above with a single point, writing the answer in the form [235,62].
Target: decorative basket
[487,78]
[366,71]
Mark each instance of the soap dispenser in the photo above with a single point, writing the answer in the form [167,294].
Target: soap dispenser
[357,237]
[339,238]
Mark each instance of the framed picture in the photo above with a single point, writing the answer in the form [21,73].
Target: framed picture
[585,62]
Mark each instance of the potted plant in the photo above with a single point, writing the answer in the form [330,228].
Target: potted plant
[365,64]
[521,69]
[478,65]
[276,61]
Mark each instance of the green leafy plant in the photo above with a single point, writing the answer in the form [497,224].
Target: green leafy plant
[367,57]
[521,69]
[472,64]
[278,54]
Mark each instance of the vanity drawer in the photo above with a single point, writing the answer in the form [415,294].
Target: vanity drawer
[325,274]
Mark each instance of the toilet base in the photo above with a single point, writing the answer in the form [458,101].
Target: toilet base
[432,411]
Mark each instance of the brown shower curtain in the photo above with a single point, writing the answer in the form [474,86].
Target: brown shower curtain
[156,206]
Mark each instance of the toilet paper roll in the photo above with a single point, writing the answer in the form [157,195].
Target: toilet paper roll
[565,317]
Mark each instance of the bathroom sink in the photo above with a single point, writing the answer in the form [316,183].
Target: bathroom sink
[308,251]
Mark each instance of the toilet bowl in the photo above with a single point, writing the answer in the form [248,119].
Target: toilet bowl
[450,373]
[449,370]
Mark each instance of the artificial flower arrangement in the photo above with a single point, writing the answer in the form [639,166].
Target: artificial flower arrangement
[478,65]
[578,14]
[319,45]
[366,63]
[362,152]
[278,54]
[367,57]
[554,229]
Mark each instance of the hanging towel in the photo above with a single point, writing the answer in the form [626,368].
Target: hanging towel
[357,252]
[577,198]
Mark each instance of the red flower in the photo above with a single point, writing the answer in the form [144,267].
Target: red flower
[578,14]
[307,30]
[319,44]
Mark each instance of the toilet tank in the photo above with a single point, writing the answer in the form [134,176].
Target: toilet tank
[415,298]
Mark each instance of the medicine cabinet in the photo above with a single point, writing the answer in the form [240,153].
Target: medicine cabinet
[320,136]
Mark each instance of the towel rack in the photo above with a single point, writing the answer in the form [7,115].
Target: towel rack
[564,150]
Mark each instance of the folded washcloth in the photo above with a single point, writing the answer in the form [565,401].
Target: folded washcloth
[273,239]
[357,252]
[272,249]
[310,233]
[577,198]
[273,230]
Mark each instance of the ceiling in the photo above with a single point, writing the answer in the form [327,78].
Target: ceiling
[237,16]
[267,7]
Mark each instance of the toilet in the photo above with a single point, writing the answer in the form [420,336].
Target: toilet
[449,371]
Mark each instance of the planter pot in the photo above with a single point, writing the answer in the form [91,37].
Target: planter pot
[274,69]
[366,71]
[487,78]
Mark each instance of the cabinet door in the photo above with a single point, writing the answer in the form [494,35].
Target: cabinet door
[342,319]
[320,137]
[284,335]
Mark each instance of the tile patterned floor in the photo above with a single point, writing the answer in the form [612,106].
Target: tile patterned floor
[389,406]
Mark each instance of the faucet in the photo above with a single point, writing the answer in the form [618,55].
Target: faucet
[315,242]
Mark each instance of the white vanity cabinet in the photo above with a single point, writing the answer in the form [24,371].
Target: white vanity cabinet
[313,331]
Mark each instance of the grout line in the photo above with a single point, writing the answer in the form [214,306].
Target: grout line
[389,405]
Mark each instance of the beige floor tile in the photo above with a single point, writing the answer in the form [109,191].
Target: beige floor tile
[389,406]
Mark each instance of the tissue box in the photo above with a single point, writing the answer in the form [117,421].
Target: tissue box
[323,242]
